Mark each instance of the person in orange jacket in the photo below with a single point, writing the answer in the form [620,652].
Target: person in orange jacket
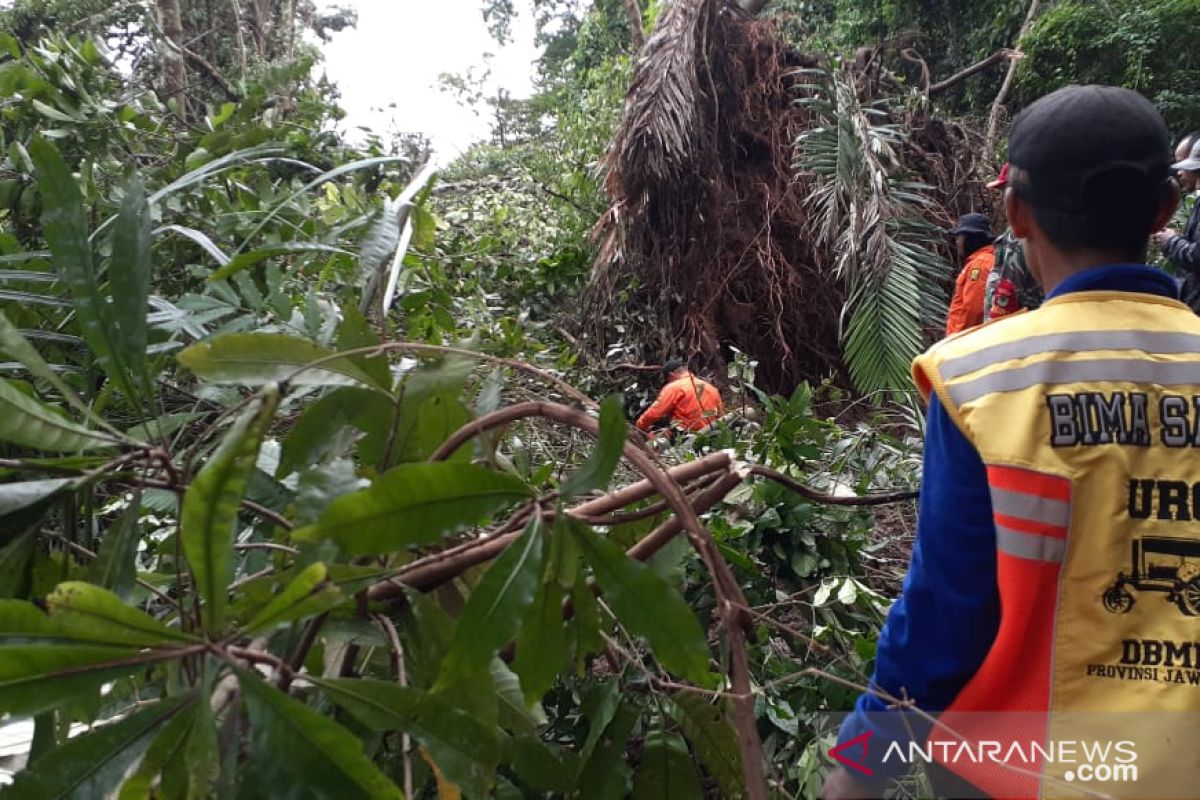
[973,244]
[688,401]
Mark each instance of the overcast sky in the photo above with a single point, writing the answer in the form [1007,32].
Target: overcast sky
[397,52]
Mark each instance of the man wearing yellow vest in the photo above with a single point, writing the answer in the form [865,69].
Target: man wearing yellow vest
[1051,614]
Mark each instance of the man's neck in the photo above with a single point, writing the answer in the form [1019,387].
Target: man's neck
[1059,266]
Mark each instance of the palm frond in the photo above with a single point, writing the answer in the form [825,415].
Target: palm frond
[873,217]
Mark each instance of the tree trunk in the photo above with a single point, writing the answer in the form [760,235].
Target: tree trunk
[175,72]
[1002,95]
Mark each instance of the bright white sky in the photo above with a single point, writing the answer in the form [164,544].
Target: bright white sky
[396,54]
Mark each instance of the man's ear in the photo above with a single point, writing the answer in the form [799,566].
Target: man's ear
[1019,213]
[1166,208]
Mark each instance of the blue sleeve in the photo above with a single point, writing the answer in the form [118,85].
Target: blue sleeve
[946,618]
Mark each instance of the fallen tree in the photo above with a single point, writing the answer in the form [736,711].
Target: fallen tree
[726,234]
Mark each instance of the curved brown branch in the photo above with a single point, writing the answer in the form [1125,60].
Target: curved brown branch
[810,493]
[730,600]
[1004,54]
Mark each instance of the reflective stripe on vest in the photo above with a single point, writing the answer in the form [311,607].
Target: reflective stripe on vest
[1086,414]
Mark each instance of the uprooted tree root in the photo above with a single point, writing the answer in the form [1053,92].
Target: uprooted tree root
[708,244]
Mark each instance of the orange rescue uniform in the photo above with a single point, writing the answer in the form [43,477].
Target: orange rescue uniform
[966,309]
[692,403]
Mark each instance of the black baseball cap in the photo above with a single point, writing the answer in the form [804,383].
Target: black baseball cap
[1082,148]
[672,365]
[972,223]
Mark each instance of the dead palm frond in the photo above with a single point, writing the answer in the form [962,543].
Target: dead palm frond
[660,128]
[874,220]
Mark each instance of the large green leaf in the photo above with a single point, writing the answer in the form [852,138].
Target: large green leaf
[44,663]
[425,422]
[115,567]
[80,607]
[666,770]
[595,472]
[210,508]
[26,421]
[301,753]
[413,504]
[542,639]
[707,727]
[495,607]
[94,764]
[66,230]
[465,749]
[129,281]
[310,592]
[647,606]
[257,359]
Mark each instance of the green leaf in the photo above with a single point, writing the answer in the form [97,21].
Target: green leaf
[76,606]
[706,725]
[666,770]
[14,343]
[115,567]
[413,504]
[605,775]
[595,472]
[245,260]
[310,592]
[540,766]
[208,522]
[648,607]
[315,433]
[542,639]
[94,764]
[28,422]
[301,753]
[129,281]
[513,712]
[14,564]
[425,422]
[43,663]
[66,230]
[21,495]
[494,609]
[257,359]
[165,750]
[465,749]
[202,759]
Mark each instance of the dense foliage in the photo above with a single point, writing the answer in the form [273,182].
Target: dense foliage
[262,536]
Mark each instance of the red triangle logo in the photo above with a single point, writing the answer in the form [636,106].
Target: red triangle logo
[836,753]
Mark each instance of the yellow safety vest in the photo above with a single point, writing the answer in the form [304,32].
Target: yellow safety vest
[1086,414]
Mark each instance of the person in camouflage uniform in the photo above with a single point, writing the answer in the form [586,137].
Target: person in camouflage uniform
[1010,286]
